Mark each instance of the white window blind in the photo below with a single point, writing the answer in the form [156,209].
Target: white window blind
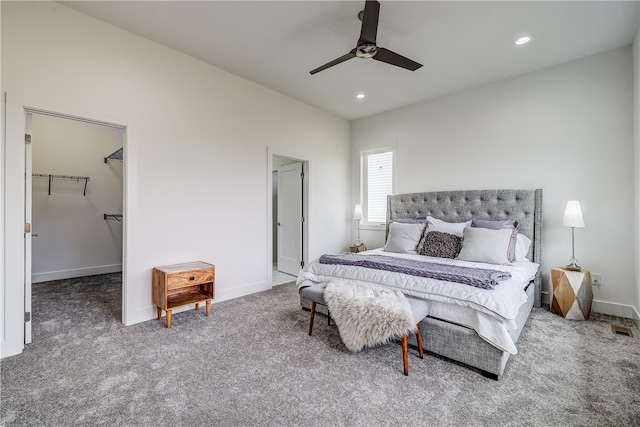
[378,183]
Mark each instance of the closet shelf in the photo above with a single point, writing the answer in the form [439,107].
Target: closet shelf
[116,155]
[113,217]
[52,177]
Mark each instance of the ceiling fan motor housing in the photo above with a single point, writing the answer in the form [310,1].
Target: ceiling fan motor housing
[366,50]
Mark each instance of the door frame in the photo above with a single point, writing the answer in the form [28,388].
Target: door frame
[28,218]
[12,288]
[29,113]
[306,167]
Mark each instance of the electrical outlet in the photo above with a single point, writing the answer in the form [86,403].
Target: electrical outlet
[596,279]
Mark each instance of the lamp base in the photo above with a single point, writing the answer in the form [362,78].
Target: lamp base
[573,266]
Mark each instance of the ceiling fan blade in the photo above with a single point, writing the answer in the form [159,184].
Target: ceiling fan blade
[343,58]
[369,30]
[390,57]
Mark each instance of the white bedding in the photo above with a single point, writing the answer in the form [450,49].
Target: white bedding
[491,313]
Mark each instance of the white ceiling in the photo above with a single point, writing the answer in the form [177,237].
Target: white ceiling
[461,44]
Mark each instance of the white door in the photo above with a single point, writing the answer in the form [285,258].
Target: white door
[290,218]
[28,231]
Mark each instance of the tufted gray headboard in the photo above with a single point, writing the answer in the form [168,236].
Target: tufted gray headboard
[459,206]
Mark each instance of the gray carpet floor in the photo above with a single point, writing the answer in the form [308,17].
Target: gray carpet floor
[252,364]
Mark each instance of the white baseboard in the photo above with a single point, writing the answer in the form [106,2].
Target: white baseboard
[77,272]
[606,307]
[613,309]
[149,312]
[636,317]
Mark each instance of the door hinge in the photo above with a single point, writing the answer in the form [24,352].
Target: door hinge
[301,264]
[27,316]
[301,219]
[302,175]
[27,138]
[27,227]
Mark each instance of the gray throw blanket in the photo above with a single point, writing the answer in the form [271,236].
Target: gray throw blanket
[478,277]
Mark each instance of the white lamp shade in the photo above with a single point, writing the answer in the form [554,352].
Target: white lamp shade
[572,215]
[357,213]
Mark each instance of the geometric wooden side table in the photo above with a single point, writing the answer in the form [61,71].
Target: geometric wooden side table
[572,293]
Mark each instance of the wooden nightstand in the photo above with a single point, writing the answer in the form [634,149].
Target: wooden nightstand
[183,284]
[571,295]
[356,249]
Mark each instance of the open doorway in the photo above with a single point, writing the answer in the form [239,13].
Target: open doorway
[74,203]
[288,218]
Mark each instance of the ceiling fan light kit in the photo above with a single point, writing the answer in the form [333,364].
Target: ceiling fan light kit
[367,47]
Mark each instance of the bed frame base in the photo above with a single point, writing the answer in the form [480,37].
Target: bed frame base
[462,344]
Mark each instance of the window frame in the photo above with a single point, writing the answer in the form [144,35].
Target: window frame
[362,198]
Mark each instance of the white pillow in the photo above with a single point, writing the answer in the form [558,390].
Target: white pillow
[486,245]
[403,238]
[522,247]
[456,228]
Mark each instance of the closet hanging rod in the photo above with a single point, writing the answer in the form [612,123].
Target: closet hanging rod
[51,177]
[116,155]
[113,217]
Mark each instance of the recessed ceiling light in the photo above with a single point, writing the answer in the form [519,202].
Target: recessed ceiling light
[361,96]
[523,40]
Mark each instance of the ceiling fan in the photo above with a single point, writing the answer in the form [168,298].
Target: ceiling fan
[367,48]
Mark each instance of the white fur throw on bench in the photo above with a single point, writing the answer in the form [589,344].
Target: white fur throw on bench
[367,315]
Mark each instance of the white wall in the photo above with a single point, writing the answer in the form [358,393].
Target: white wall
[197,169]
[73,239]
[566,129]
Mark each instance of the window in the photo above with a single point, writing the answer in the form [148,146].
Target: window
[377,183]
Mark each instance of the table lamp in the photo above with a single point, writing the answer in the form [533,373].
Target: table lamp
[358,216]
[573,218]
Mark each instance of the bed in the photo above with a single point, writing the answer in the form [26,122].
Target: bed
[456,329]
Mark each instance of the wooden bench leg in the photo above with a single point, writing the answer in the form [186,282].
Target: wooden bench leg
[208,308]
[419,340]
[197,306]
[405,354]
[159,313]
[311,316]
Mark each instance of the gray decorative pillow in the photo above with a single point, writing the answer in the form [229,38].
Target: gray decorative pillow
[456,228]
[441,245]
[403,238]
[485,245]
[513,224]
[415,221]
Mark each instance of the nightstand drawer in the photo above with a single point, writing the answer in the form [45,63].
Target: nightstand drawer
[189,278]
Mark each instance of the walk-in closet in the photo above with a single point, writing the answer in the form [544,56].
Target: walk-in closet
[76,216]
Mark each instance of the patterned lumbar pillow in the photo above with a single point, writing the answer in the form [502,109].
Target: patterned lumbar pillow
[441,245]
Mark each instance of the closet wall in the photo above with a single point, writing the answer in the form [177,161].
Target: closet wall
[73,238]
